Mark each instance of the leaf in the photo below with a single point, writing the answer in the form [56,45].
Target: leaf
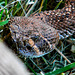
[4,22]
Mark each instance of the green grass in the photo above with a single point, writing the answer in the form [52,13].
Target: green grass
[3,22]
[68,67]
[15,9]
[58,4]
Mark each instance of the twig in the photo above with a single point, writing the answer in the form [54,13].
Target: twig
[62,55]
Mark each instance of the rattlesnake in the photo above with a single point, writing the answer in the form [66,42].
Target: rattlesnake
[39,34]
[63,20]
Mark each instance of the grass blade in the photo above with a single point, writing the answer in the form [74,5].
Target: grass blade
[61,70]
[4,22]
[41,5]
[6,9]
[31,69]
[1,14]
[58,5]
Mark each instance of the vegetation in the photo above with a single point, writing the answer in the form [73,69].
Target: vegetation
[50,64]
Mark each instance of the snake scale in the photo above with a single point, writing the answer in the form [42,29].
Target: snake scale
[39,34]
